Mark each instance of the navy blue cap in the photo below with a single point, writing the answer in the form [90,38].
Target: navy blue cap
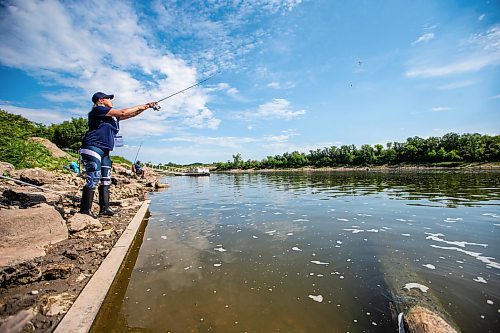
[98,95]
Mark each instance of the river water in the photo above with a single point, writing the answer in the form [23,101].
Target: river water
[312,252]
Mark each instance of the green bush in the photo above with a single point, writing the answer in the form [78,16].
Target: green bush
[16,149]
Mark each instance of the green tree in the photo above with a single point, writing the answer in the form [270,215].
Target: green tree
[69,134]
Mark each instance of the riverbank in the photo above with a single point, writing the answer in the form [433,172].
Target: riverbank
[490,166]
[48,251]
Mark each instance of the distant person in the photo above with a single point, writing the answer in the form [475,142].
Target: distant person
[137,168]
[96,145]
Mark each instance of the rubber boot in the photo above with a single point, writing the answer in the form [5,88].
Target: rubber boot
[104,209]
[86,202]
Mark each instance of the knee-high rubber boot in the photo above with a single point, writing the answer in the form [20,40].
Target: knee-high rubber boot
[104,201]
[86,202]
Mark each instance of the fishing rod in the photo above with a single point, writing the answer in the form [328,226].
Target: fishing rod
[73,197]
[158,107]
[135,159]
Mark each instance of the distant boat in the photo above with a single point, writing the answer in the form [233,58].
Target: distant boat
[195,171]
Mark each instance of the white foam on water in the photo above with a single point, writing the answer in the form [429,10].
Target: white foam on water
[372,230]
[496,224]
[490,302]
[401,220]
[354,231]
[220,249]
[319,262]
[255,237]
[364,215]
[429,266]
[301,220]
[386,228]
[290,234]
[480,279]
[345,220]
[406,235]
[487,260]
[270,233]
[277,213]
[319,275]
[417,286]
[317,298]
[339,242]
[435,237]
[296,249]
[217,265]
[148,239]
[452,220]
[163,237]
[492,215]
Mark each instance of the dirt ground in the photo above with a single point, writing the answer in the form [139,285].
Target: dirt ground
[46,286]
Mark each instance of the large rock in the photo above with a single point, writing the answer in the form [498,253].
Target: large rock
[23,199]
[6,168]
[37,176]
[80,222]
[24,232]
[51,147]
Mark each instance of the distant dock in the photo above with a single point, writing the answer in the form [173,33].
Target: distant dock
[192,171]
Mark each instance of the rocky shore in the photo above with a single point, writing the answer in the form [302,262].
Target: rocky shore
[48,251]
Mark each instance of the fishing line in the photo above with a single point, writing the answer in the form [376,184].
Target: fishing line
[157,107]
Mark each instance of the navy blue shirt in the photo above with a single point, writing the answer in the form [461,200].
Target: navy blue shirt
[102,129]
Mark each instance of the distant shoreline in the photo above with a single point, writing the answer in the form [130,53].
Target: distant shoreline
[470,167]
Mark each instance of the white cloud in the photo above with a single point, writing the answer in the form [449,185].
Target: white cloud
[481,17]
[477,52]
[457,85]
[79,52]
[45,116]
[211,34]
[230,141]
[496,96]
[424,38]
[278,108]
[280,86]
[441,109]
[223,86]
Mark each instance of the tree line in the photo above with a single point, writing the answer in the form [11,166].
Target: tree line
[450,149]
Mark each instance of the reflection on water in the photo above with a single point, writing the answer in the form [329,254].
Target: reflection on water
[297,252]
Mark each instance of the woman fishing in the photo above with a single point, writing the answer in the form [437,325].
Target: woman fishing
[97,143]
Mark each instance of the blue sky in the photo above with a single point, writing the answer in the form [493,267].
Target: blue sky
[289,74]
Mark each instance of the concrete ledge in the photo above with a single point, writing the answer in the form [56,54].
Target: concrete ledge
[81,315]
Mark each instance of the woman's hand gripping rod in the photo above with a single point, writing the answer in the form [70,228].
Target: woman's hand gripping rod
[157,107]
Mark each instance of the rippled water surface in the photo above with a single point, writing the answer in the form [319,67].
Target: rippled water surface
[318,252]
